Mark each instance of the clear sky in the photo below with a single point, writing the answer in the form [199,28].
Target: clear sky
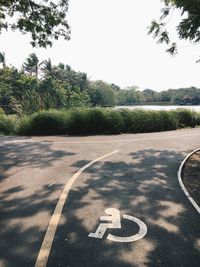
[109,41]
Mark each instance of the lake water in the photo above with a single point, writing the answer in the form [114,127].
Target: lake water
[195,108]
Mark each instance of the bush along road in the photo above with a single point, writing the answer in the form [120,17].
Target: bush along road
[89,121]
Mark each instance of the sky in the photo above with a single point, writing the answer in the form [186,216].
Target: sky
[109,42]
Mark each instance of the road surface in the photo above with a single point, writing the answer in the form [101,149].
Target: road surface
[135,175]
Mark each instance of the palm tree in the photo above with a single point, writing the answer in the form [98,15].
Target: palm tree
[61,66]
[3,59]
[32,64]
[47,68]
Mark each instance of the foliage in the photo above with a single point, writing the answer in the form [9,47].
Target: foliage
[181,96]
[2,112]
[102,94]
[22,93]
[141,121]
[18,92]
[87,121]
[43,123]
[197,119]
[31,64]
[188,28]
[47,68]
[65,73]
[129,96]
[43,86]
[8,81]
[3,59]
[44,20]
[23,126]
[185,118]
[114,123]
[7,125]
[94,121]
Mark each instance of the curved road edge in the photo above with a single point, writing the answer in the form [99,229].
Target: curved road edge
[181,181]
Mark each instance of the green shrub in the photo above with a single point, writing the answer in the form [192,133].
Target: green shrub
[43,123]
[114,123]
[94,121]
[163,121]
[88,121]
[2,112]
[141,121]
[184,117]
[134,120]
[24,126]
[7,125]
[126,115]
[197,118]
[77,122]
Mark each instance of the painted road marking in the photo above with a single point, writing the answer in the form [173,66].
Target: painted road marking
[50,233]
[114,218]
[142,231]
[52,184]
[114,222]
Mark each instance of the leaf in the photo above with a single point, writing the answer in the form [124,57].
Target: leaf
[164,37]
[172,49]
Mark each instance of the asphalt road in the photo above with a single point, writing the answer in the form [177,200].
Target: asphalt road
[139,180]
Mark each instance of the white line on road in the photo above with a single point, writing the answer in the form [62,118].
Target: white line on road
[52,184]
[50,233]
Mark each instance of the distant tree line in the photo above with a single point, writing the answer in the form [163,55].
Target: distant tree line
[43,86]
[181,96]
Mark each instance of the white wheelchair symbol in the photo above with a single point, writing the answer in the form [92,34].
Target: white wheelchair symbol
[113,221]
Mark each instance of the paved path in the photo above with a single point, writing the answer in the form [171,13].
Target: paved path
[140,180]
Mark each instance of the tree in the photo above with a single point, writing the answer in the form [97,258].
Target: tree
[32,64]
[129,96]
[66,73]
[102,94]
[44,20]
[47,68]
[187,29]
[3,59]
[149,95]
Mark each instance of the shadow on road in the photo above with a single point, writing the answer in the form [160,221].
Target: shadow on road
[28,154]
[20,236]
[144,185]
[25,206]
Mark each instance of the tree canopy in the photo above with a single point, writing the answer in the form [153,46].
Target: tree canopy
[188,27]
[42,85]
[45,20]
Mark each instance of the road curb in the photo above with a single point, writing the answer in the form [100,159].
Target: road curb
[181,181]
